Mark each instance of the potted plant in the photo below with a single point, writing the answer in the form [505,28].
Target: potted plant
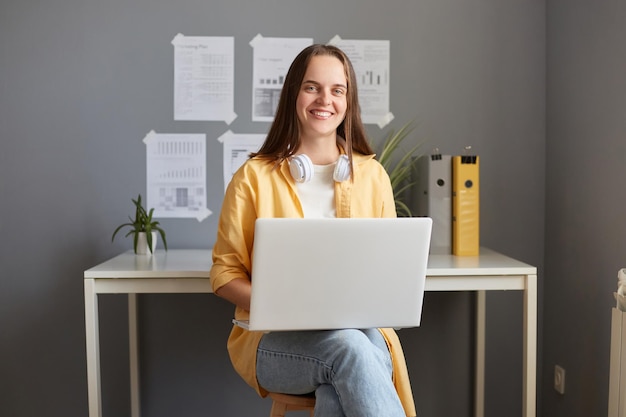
[402,172]
[143,229]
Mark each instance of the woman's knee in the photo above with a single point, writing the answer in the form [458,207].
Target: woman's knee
[354,346]
[349,339]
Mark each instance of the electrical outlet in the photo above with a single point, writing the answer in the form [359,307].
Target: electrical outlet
[559,379]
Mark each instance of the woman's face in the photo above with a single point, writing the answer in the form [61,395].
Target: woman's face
[322,100]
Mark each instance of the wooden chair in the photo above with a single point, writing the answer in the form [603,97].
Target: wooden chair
[282,403]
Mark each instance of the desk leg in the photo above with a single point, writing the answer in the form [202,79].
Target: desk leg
[479,381]
[135,399]
[93,349]
[529,407]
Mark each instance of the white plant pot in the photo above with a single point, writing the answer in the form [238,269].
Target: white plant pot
[142,244]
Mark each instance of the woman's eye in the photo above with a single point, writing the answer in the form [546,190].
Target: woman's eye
[310,88]
[339,92]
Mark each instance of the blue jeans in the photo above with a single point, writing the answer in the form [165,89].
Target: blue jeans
[349,370]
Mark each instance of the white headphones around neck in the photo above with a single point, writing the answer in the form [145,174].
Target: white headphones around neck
[301,168]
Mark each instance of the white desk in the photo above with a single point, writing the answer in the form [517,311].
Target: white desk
[187,271]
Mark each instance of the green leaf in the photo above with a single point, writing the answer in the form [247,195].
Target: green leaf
[149,239]
[401,172]
[135,239]
[118,229]
[142,222]
[162,233]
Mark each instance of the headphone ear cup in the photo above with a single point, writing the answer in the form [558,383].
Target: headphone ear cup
[342,169]
[301,168]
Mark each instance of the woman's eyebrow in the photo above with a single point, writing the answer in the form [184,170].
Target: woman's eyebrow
[317,83]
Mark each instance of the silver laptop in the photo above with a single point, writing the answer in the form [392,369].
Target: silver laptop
[338,273]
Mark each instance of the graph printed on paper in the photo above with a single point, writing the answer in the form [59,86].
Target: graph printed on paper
[176,174]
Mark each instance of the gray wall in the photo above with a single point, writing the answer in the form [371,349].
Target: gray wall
[82,82]
[585,199]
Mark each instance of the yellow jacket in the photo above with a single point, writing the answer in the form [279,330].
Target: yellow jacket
[258,189]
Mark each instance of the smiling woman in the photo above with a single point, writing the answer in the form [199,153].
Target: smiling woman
[315,162]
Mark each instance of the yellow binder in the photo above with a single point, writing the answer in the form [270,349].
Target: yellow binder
[465,205]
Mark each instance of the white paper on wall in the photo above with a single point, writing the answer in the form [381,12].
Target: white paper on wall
[271,60]
[237,147]
[370,59]
[176,175]
[204,78]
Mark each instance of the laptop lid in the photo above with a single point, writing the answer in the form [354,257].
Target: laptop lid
[338,273]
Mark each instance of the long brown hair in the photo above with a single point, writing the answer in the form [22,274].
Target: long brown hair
[284,135]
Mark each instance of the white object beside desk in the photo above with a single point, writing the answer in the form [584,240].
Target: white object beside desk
[187,271]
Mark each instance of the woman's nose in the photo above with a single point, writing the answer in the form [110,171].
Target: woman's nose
[324,97]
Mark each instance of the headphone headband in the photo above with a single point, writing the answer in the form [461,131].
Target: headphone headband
[301,168]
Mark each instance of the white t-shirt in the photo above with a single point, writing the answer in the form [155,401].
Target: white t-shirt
[318,195]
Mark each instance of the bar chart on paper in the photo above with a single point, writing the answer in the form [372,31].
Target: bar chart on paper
[176,175]
[371,77]
[370,59]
